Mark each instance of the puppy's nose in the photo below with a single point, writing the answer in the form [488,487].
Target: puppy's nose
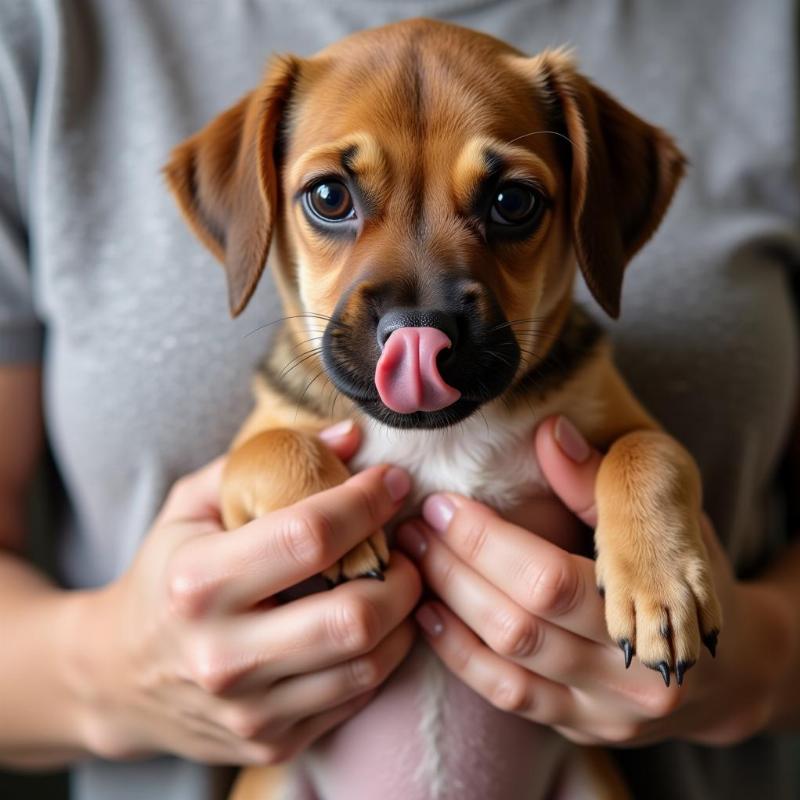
[417,318]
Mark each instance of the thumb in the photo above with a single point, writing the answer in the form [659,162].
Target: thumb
[195,496]
[343,438]
[570,465]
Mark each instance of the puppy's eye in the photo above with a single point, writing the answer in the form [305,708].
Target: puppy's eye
[331,201]
[514,204]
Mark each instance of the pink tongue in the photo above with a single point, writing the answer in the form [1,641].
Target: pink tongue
[406,375]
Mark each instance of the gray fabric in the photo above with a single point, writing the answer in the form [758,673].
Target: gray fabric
[147,378]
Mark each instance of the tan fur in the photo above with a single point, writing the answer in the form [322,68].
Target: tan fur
[260,783]
[609,176]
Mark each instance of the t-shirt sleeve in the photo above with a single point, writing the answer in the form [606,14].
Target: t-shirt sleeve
[21,331]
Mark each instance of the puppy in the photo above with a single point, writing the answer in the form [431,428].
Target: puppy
[428,192]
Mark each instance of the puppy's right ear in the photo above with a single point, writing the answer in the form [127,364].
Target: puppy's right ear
[226,180]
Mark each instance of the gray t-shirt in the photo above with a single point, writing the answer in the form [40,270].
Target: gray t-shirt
[146,378]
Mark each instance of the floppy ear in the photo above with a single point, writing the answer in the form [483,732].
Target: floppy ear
[225,179]
[623,174]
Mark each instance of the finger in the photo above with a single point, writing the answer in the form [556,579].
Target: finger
[344,439]
[314,632]
[504,684]
[294,699]
[195,496]
[237,569]
[539,576]
[570,466]
[509,630]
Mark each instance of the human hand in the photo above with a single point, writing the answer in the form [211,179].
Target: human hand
[521,622]
[189,653]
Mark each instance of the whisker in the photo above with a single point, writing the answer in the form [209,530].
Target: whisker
[305,315]
[308,386]
[297,364]
[500,358]
[536,133]
[306,341]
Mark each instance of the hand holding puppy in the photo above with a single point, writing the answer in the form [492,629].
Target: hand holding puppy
[188,653]
[521,622]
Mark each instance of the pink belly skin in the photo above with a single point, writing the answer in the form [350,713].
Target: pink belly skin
[471,751]
[427,736]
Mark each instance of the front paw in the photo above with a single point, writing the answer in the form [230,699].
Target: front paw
[367,560]
[659,596]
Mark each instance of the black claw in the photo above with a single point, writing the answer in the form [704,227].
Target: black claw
[601,590]
[329,582]
[710,641]
[627,649]
[382,563]
[663,668]
[375,573]
[681,668]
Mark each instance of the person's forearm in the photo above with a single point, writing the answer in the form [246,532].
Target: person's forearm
[783,581]
[40,720]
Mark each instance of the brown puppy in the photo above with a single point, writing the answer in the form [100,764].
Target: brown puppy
[430,191]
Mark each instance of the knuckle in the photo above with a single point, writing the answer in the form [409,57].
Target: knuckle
[459,660]
[243,722]
[187,594]
[103,741]
[514,635]
[623,732]
[209,668]
[660,702]
[510,694]
[445,571]
[307,539]
[553,588]
[355,625]
[268,755]
[365,672]
[370,501]
[474,536]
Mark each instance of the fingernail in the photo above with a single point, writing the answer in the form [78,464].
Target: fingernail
[438,511]
[397,483]
[412,541]
[337,431]
[430,621]
[570,440]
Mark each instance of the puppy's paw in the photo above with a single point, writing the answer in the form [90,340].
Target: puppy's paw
[660,600]
[367,560]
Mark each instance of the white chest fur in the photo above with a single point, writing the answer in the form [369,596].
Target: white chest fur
[489,457]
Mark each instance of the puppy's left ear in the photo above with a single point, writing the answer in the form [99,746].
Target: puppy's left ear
[225,179]
[623,172]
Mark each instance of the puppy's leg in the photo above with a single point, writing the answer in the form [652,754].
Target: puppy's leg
[278,467]
[652,563]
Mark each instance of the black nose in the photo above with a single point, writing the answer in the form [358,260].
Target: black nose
[416,318]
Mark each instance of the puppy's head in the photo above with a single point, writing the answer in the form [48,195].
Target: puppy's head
[430,190]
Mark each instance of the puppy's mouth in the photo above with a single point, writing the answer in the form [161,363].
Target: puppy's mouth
[412,367]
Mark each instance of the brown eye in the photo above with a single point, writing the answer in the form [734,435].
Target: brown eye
[330,201]
[514,204]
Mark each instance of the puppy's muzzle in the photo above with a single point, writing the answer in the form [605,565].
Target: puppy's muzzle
[420,357]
